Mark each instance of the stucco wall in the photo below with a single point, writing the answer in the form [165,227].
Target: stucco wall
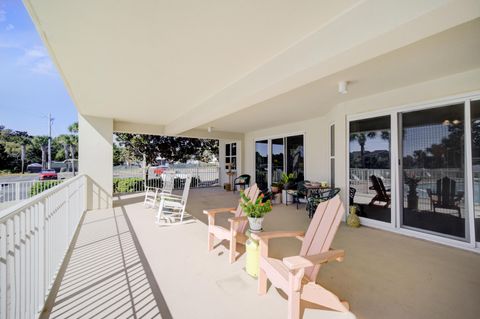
[96,159]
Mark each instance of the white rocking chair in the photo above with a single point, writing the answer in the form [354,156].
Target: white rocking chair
[171,210]
[152,193]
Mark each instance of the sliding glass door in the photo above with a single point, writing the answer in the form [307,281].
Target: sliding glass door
[370,173]
[261,164]
[295,157]
[278,158]
[433,170]
[475,114]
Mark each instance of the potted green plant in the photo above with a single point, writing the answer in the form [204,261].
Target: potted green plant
[277,187]
[255,211]
[288,181]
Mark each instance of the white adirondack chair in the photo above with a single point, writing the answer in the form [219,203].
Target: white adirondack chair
[171,210]
[153,193]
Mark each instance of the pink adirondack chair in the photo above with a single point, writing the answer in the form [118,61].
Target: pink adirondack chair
[238,224]
[296,275]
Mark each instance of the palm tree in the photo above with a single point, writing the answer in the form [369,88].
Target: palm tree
[41,142]
[73,128]
[361,138]
[64,140]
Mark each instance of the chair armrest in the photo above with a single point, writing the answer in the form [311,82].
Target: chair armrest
[237,219]
[171,197]
[277,234]
[297,262]
[215,211]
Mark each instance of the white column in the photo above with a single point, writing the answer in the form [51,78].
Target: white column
[95,159]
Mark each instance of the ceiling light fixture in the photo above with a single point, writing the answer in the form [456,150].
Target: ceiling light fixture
[342,87]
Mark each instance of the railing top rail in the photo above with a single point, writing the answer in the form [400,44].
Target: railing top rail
[8,212]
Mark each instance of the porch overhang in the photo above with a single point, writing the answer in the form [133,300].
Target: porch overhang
[185,68]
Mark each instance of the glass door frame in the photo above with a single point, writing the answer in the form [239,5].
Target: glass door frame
[269,153]
[395,225]
[393,171]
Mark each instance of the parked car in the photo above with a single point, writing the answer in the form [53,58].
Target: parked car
[34,168]
[47,174]
[158,170]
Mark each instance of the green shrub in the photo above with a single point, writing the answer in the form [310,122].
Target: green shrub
[128,185]
[155,182]
[39,187]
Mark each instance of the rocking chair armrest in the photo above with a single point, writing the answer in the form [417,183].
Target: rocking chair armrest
[277,234]
[171,197]
[213,212]
[234,220]
[297,262]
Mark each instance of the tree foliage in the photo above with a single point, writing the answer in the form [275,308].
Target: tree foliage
[12,142]
[171,148]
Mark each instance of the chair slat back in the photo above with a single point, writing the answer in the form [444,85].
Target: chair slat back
[446,191]
[168,182]
[322,230]
[186,188]
[251,192]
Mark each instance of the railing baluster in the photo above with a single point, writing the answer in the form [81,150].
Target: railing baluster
[42,262]
[10,269]
[3,270]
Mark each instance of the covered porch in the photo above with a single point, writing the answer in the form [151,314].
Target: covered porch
[300,94]
[123,265]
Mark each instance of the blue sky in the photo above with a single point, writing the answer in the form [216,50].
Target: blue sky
[30,86]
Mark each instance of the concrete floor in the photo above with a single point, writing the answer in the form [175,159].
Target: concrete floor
[123,265]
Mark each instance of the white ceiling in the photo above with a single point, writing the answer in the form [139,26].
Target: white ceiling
[161,58]
[452,51]
[183,65]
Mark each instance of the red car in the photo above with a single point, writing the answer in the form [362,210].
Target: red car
[47,174]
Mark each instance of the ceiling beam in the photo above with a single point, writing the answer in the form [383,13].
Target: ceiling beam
[139,128]
[365,31]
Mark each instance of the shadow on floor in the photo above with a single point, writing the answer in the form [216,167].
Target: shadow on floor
[108,275]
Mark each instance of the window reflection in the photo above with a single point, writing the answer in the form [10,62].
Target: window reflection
[295,156]
[433,170]
[277,159]
[370,167]
[261,164]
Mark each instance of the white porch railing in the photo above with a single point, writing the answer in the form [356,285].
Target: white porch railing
[132,180]
[21,190]
[34,237]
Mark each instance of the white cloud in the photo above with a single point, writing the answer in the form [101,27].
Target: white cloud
[43,67]
[37,61]
[9,27]
[3,15]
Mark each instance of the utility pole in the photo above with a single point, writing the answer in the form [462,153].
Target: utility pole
[50,122]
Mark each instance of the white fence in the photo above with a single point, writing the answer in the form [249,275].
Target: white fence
[34,238]
[17,191]
[131,179]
